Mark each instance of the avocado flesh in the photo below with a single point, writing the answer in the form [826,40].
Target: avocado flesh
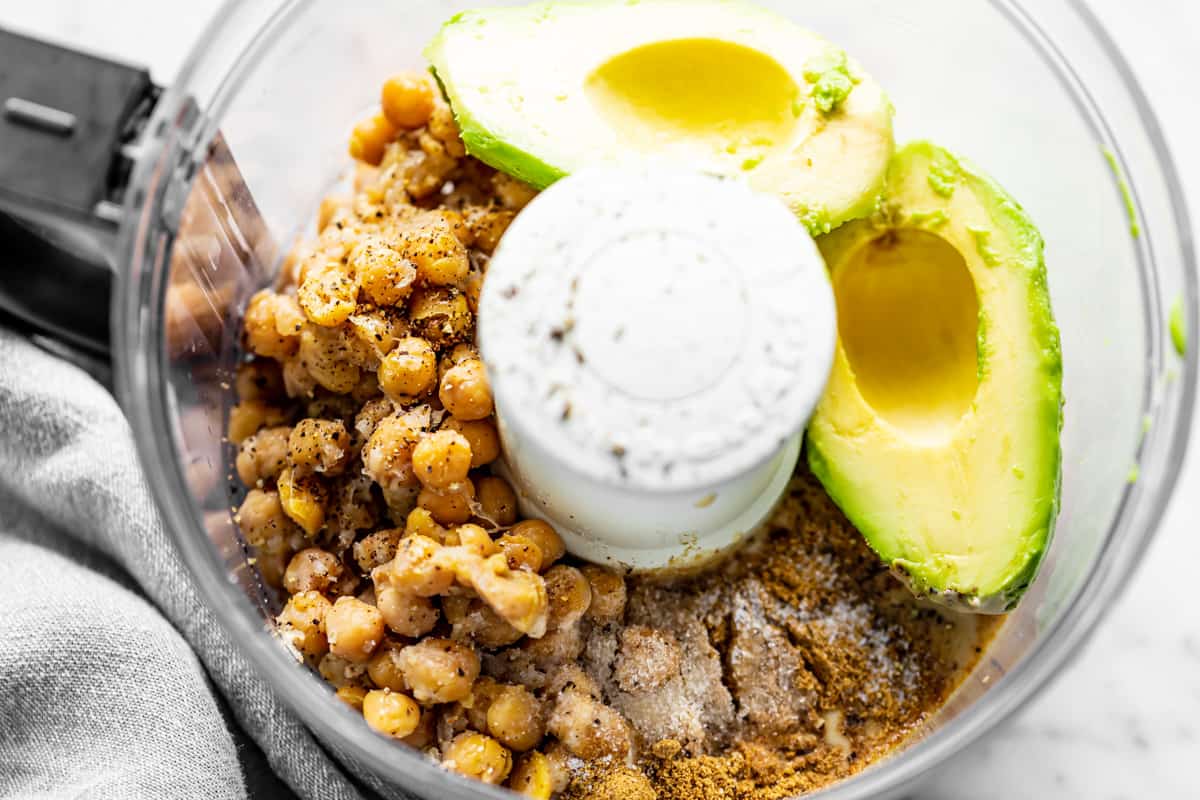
[721,86]
[938,433]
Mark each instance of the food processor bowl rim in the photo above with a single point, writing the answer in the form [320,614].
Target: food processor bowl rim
[142,389]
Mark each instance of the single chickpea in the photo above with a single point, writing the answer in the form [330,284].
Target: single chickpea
[271,567]
[376,548]
[329,295]
[421,523]
[478,756]
[408,370]
[407,615]
[452,507]
[263,521]
[441,460]
[302,623]
[385,275]
[297,380]
[465,391]
[608,594]
[260,332]
[474,539]
[312,570]
[440,314]
[332,206]
[384,667]
[483,626]
[473,288]
[520,552]
[426,733]
[377,331]
[540,532]
[328,355]
[497,500]
[387,455]
[260,379]
[391,713]
[439,256]
[407,100]
[369,139]
[318,445]
[481,434]
[458,225]
[519,597]
[515,718]
[428,173]
[368,417]
[338,671]
[488,225]
[250,416]
[417,568]
[570,676]
[303,499]
[590,729]
[352,696]
[532,777]
[442,125]
[569,593]
[476,704]
[554,648]
[439,670]
[354,629]
[263,455]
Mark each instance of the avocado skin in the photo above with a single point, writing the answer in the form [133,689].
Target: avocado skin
[1011,221]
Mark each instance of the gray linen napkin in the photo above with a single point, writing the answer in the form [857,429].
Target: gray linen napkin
[113,674]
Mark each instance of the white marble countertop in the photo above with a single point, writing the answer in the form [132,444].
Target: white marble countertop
[1124,720]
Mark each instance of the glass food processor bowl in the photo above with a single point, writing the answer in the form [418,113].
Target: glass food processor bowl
[1035,93]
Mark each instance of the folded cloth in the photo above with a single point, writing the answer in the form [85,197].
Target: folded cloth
[113,673]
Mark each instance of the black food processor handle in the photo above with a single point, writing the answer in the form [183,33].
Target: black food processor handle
[70,124]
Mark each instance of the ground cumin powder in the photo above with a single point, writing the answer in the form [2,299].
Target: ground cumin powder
[802,661]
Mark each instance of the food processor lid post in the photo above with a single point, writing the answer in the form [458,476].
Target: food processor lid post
[70,128]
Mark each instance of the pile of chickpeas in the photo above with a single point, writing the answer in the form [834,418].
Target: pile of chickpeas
[364,430]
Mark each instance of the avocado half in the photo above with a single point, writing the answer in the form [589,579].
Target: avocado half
[938,433]
[719,85]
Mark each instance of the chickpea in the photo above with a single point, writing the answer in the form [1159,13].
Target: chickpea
[465,391]
[353,507]
[497,500]
[475,540]
[441,460]
[476,704]
[608,594]
[571,676]
[312,570]
[549,543]
[458,225]
[532,777]
[352,696]
[332,206]
[519,597]
[376,332]
[426,175]
[481,435]
[569,594]
[488,225]
[515,718]
[452,507]
[440,314]
[439,670]
[421,523]
[271,567]
[473,288]
[445,129]
[338,671]
[329,295]
[260,379]
[407,100]
[368,417]
[520,552]
[369,139]
[260,332]
[387,455]
[354,629]
[439,256]
[483,626]
[318,445]
[262,455]
[250,416]
[407,615]
[297,380]
[479,757]
[384,667]
[417,568]
[558,759]
[376,548]
[589,729]
[426,733]
[328,355]
[263,521]
[303,499]
[302,623]
[408,370]
[385,275]
[554,648]
[391,713]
